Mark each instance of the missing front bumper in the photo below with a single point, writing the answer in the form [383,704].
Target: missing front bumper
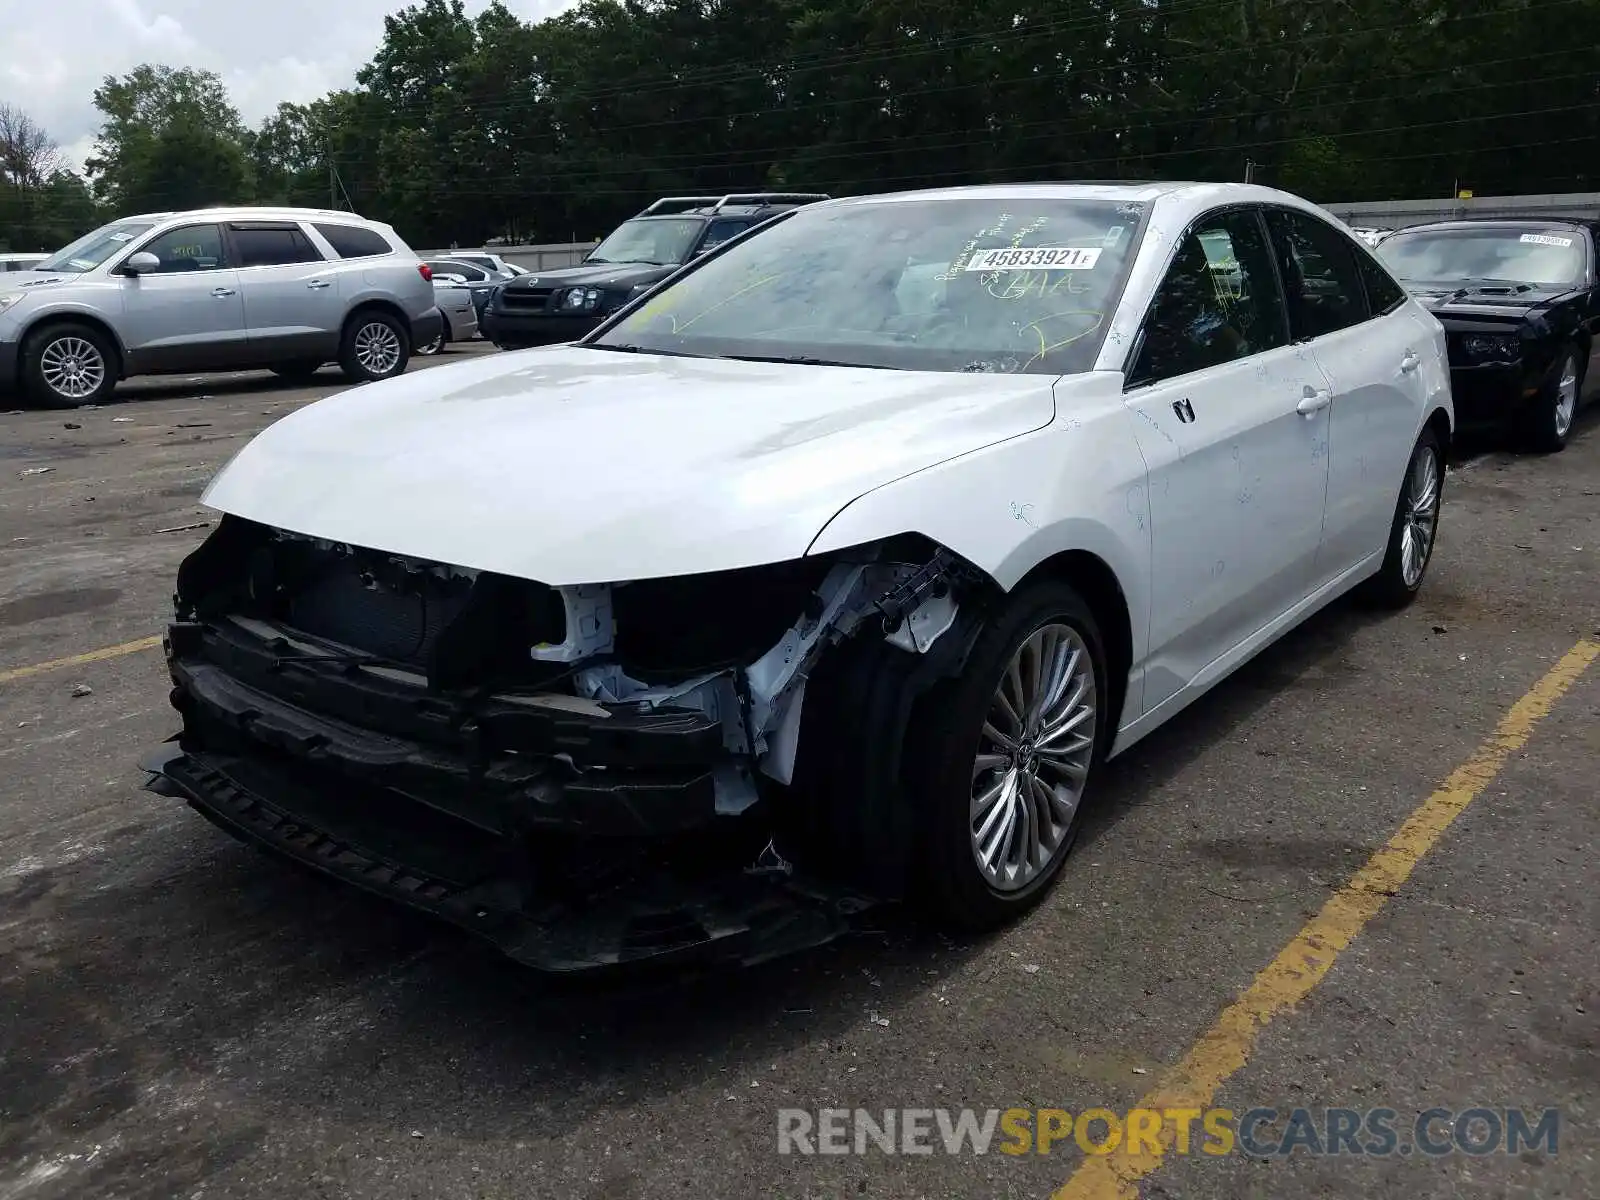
[483,885]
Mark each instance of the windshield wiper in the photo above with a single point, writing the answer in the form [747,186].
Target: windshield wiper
[628,348]
[803,360]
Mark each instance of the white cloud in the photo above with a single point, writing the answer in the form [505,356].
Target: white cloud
[59,51]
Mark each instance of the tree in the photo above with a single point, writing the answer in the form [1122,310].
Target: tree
[28,155]
[43,205]
[171,138]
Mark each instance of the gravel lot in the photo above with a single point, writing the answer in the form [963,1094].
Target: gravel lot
[180,1016]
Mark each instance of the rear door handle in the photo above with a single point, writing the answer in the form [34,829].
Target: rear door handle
[318,283]
[1410,362]
[1314,400]
[220,292]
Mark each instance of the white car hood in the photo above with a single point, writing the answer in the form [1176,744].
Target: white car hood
[569,465]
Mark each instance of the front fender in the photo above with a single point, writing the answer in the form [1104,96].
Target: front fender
[1077,484]
[70,310]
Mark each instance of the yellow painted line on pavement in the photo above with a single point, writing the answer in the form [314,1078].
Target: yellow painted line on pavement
[1301,965]
[78,660]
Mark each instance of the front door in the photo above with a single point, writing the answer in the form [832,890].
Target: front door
[188,314]
[1233,424]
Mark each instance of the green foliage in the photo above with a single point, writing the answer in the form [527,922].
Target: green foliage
[171,139]
[461,128]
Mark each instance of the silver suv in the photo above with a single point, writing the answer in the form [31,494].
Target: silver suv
[216,289]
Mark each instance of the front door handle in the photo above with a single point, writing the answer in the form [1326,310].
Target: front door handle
[1410,362]
[1314,400]
[318,283]
[220,292]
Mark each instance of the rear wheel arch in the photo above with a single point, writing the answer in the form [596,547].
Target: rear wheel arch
[1439,422]
[387,307]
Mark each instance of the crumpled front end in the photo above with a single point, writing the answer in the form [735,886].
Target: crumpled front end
[699,767]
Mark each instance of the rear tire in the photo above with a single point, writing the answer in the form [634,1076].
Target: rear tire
[1548,420]
[68,364]
[375,346]
[1414,530]
[976,769]
[428,349]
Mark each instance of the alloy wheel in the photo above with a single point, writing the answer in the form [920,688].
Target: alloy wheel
[1421,519]
[1566,396]
[72,367]
[377,348]
[1033,758]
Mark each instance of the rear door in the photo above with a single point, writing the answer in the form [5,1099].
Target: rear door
[1352,318]
[292,305]
[188,314]
[1237,473]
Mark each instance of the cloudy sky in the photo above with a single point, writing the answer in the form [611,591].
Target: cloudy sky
[58,51]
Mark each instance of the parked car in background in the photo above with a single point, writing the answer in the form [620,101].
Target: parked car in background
[20,262]
[804,584]
[480,280]
[214,289]
[560,305]
[1520,300]
[460,317]
[500,268]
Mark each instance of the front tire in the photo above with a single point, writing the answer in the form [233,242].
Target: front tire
[1005,752]
[1414,531]
[67,365]
[1549,418]
[375,346]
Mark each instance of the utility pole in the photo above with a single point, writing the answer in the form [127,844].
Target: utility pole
[1249,170]
[333,196]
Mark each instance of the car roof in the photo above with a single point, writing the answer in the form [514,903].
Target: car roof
[1135,191]
[727,210]
[252,213]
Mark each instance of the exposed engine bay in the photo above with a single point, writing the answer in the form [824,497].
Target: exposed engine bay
[588,775]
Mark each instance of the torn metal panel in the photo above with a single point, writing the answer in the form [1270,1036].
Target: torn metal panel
[588,624]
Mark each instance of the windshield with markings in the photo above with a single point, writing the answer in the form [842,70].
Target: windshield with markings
[1002,285]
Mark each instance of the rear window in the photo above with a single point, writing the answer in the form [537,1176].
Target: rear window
[352,241]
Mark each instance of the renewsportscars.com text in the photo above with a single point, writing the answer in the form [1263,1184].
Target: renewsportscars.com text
[1256,1132]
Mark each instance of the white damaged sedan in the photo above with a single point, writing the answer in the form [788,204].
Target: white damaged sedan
[827,573]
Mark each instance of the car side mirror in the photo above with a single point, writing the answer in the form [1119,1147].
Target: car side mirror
[142,263]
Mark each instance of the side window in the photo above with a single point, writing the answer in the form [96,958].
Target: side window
[1320,278]
[188,248]
[1219,301]
[1384,295]
[351,241]
[272,246]
[721,231]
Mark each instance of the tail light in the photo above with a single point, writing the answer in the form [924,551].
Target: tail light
[425,271]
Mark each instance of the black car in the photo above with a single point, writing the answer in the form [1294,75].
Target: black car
[545,307]
[1520,303]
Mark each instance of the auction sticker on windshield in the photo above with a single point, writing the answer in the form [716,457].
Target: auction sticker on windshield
[1037,258]
[1545,239]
